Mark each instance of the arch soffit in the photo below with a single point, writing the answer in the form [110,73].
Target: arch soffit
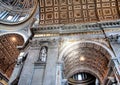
[21,34]
[64,51]
[87,71]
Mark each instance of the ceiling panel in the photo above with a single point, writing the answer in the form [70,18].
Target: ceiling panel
[77,11]
[9,52]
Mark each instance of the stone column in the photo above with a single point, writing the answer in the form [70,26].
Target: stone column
[59,74]
[26,76]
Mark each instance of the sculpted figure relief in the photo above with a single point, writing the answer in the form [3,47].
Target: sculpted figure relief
[43,54]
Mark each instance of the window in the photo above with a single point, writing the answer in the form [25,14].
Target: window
[22,18]
[9,18]
[79,76]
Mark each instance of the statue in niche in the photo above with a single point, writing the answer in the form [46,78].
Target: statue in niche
[43,54]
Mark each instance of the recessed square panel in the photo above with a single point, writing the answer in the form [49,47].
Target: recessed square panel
[48,3]
[77,13]
[49,16]
[63,15]
[84,6]
[42,9]
[91,13]
[56,21]
[70,8]
[113,4]
[107,11]
[55,8]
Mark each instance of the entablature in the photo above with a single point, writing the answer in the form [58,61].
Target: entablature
[76,28]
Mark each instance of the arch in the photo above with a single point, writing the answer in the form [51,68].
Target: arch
[9,52]
[66,56]
[80,42]
[19,33]
[86,71]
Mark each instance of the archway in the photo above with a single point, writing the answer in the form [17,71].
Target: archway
[90,57]
[81,78]
[9,52]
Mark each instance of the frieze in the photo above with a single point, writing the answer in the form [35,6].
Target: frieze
[75,28]
[38,42]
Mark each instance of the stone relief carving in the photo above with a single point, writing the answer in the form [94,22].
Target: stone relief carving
[114,38]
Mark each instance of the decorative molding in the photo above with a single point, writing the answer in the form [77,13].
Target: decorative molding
[76,28]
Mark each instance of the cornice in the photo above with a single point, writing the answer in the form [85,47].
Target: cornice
[76,28]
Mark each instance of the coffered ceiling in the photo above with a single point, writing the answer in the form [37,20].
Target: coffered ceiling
[86,57]
[78,11]
[9,52]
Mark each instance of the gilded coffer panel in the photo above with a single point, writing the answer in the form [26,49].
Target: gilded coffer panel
[77,11]
[107,10]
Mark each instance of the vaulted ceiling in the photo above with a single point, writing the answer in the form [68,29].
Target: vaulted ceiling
[86,57]
[9,52]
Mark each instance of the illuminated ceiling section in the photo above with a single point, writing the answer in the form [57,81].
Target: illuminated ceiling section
[86,57]
[77,11]
[15,11]
[9,52]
